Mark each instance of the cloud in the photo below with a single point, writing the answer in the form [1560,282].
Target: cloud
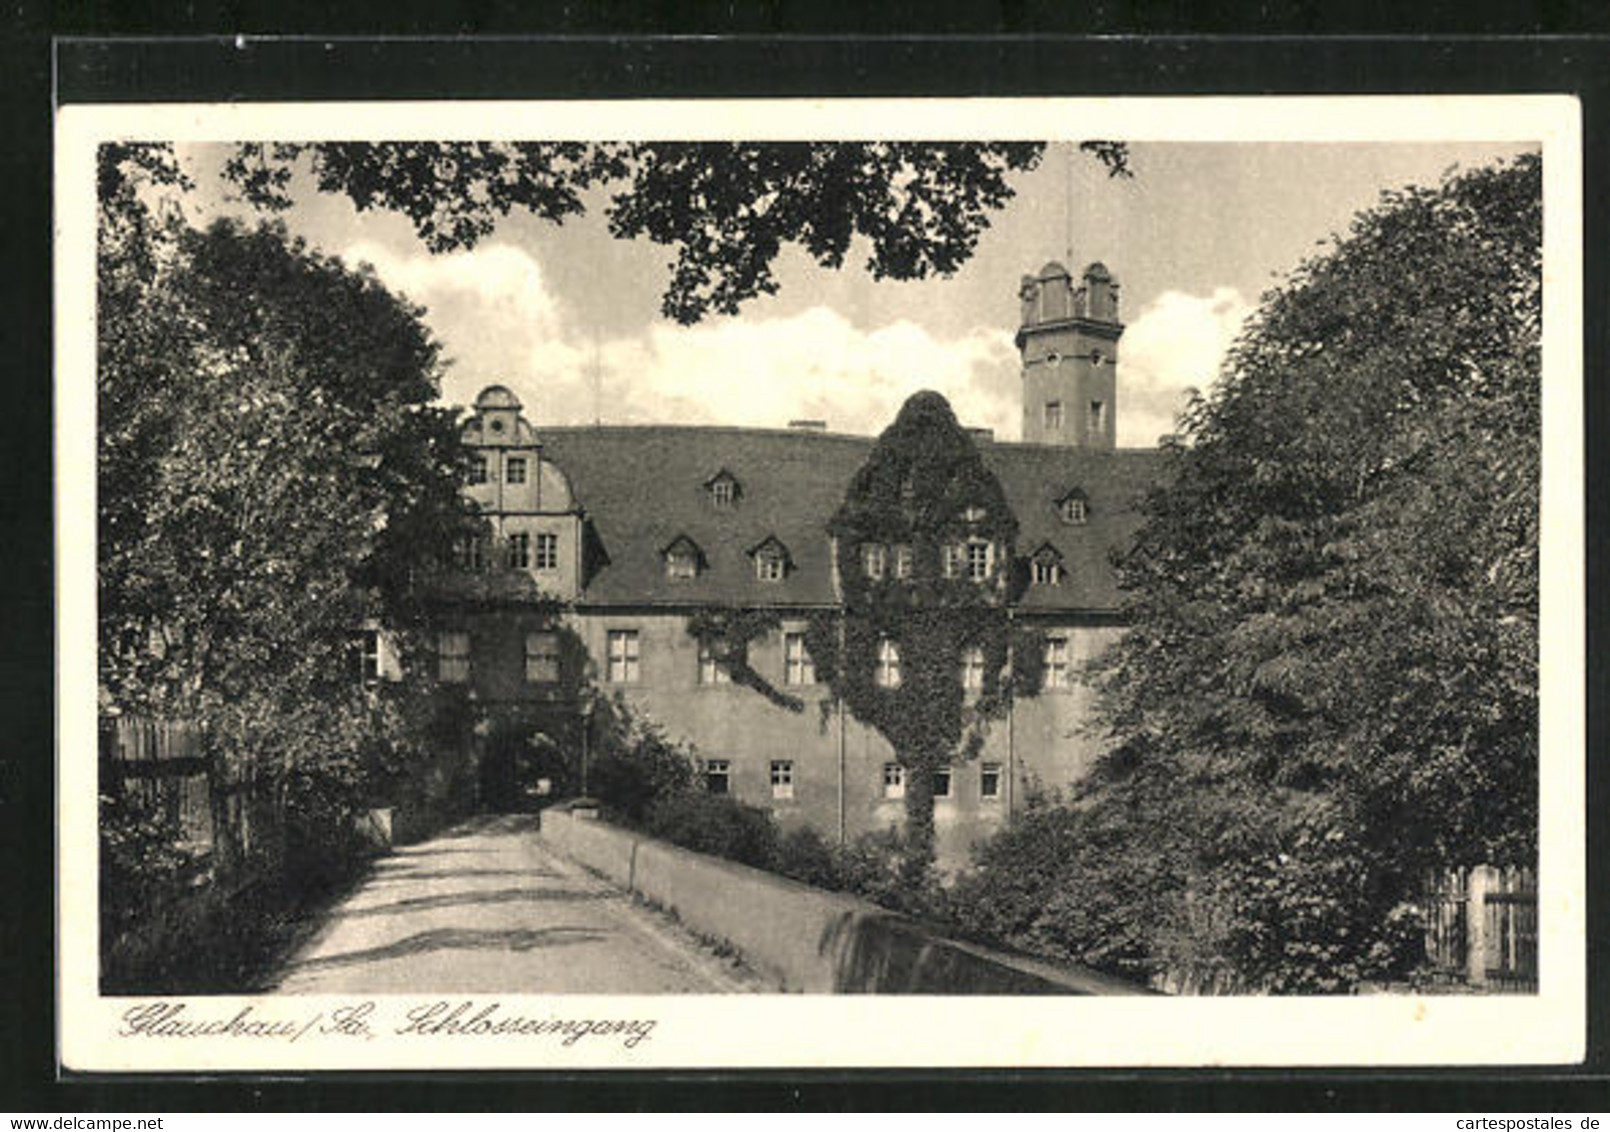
[1177,343]
[491,308]
[499,320]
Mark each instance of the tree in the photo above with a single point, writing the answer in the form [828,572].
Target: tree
[727,208]
[272,475]
[1330,683]
[923,542]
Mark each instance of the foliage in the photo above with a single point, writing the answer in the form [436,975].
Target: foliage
[634,765]
[717,824]
[272,474]
[803,854]
[726,208]
[728,633]
[923,487]
[1330,682]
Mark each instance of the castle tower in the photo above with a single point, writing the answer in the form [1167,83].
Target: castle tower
[1068,338]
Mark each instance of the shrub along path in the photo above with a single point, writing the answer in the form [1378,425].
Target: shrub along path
[485,908]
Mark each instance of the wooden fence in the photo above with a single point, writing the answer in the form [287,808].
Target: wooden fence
[163,762]
[1481,927]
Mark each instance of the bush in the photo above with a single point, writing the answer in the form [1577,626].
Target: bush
[635,765]
[1053,883]
[717,824]
[804,855]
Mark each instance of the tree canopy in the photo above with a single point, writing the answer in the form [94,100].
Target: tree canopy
[272,474]
[727,209]
[1330,683]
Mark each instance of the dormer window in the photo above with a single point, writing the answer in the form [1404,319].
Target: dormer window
[974,515]
[771,560]
[1074,507]
[724,490]
[682,559]
[1045,566]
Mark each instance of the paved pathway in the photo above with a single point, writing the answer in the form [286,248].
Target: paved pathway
[487,907]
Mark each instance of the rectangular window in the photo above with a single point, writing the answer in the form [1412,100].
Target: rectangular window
[519,551]
[798,668]
[1056,662]
[903,565]
[722,493]
[894,780]
[477,469]
[623,656]
[453,658]
[942,782]
[989,780]
[973,667]
[1045,572]
[1098,418]
[1053,416]
[887,673]
[515,469]
[717,776]
[782,779]
[712,670]
[1073,510]
[547,552]
[542,658]
[366,655]
[769,567]
[874,559]
[980,556]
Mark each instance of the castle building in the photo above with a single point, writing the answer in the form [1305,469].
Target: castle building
[616,535]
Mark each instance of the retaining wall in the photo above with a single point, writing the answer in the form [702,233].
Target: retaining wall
[805,938]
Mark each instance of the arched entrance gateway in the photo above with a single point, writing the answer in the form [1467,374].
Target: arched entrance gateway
[528,760]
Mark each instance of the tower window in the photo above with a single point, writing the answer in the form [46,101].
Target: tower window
[516,469]
[1098,418]
[1053,416]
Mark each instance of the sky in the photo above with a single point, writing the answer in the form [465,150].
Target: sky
[568,317]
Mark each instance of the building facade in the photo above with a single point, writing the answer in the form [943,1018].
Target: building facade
[616,536]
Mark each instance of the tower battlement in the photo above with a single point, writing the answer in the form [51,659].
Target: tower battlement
[1068,338]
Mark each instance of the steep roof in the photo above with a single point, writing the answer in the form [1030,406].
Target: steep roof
[642,486]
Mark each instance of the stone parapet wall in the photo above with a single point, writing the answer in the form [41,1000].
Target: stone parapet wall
[806,939]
